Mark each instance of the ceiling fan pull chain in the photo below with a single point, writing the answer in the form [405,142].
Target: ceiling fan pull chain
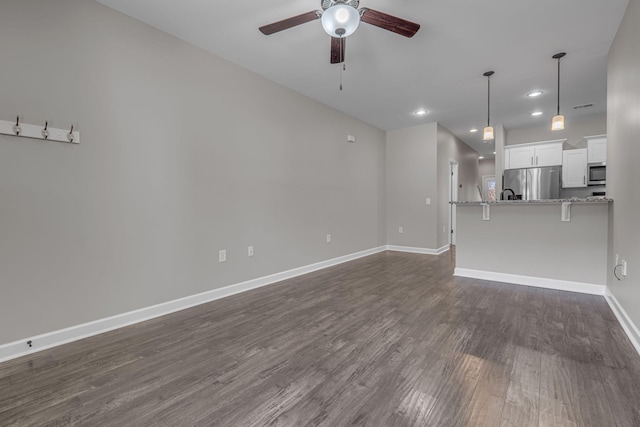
[343,67]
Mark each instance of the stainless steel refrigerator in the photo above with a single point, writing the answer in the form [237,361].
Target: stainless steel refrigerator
[533,183]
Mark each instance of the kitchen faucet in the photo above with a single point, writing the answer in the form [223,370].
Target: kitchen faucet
[507,189]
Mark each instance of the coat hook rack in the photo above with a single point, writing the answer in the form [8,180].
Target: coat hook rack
[46,133]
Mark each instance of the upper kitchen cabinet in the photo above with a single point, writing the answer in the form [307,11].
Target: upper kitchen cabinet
[534,155]
[574,168]
[597,148]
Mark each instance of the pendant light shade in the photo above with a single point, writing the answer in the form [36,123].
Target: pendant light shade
[488,134]
[557,123]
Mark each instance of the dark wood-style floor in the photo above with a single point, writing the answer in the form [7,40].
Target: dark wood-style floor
[388,340]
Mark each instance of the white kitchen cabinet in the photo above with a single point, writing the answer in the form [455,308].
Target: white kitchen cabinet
[597,148]
[548,155]
[533,155]
[574,168]
[519,157]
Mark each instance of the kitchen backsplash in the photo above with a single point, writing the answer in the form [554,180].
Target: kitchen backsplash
[567,193]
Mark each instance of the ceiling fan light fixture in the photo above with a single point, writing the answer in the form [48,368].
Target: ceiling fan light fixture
[340,20]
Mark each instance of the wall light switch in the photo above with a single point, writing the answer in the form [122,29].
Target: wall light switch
[222,255]
[328,238]
[400,230]
[250,251]
[351,138]
[428,200]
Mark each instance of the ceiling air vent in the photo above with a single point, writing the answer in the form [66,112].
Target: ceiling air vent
[579,107]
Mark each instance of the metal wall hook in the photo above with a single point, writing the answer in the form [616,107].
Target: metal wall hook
[16,128]
[70,136]
[45,132]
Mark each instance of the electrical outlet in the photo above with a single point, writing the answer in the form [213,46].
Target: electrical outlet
[624,267]
[400,230]
[222,255]
[428,200]
[328,238]
[250,251]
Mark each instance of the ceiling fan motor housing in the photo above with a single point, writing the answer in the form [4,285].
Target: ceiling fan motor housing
[326,4]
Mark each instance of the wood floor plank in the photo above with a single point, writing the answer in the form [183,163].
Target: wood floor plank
[391,339]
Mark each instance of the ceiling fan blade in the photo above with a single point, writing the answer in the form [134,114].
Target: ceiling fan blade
[337,49]
[290,22]
[388,22]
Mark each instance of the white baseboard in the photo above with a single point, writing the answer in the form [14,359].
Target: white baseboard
[63,336]
[424,251]
[539,282]
[629,327]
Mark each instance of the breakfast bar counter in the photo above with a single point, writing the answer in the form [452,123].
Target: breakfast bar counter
[559,243]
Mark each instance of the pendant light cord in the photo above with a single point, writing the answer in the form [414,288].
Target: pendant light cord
[342,68]
[488,101]
[558,86]
[559,56]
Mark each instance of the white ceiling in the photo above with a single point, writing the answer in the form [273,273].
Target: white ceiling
[389,76]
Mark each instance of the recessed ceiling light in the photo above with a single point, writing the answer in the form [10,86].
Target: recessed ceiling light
[474,130]
[481,157]
[535,93]
[421,112]
[536,113]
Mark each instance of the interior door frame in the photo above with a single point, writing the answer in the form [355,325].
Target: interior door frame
[453,197]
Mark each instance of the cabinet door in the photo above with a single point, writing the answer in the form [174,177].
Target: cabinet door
[520,157]
[548,155]
[597,150]
[574,168]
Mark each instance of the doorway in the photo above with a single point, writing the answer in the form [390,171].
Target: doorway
[453,197]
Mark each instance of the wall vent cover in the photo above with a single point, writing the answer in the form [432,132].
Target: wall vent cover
[578,107]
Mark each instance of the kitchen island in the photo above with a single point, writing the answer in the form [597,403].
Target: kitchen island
[559,244]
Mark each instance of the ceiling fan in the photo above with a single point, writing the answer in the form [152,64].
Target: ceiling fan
[340,18]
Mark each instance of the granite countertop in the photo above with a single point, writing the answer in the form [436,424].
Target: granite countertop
[533,202]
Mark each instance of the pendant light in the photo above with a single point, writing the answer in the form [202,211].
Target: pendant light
[557,123]
[488,131]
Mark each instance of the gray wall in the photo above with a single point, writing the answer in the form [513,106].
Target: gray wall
[452,148]
[411,178]
[182,154]
[418,168]
[623,157]
[574,132]
[530,240]
[486,167]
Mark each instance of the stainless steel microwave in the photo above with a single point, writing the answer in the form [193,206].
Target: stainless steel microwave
[597,173]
